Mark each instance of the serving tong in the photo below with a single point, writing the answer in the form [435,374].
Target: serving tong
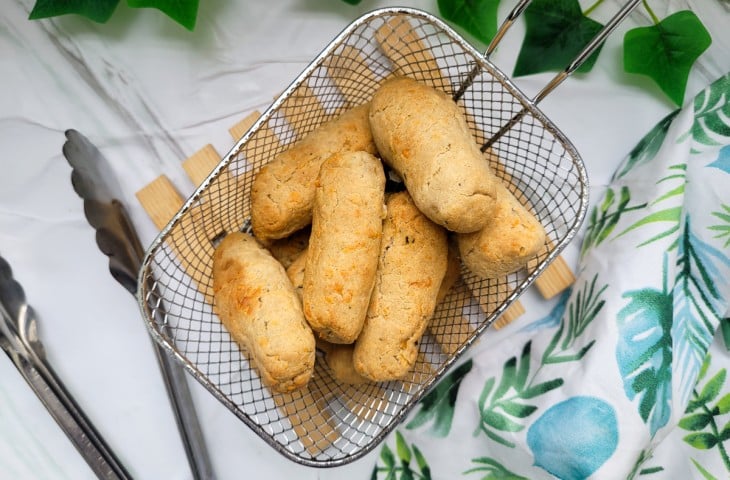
[19,339]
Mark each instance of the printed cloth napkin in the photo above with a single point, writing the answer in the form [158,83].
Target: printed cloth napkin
[626,376]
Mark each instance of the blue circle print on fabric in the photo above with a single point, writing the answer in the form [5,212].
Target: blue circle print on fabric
[573,438]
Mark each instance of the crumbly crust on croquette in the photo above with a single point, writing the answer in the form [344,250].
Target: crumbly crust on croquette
[342,256]
[511,238]
[411,267]
[283,190]
[260,309]
[423,135]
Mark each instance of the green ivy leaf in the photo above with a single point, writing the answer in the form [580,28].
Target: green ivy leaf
[478,17]
[666,51]
[183,12]
[557,30]
[97,10]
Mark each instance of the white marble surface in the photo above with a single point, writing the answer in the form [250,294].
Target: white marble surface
[149,94]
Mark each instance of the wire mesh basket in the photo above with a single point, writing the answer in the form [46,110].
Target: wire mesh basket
[329,423]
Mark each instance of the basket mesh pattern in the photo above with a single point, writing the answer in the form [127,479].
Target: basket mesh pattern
[327,423]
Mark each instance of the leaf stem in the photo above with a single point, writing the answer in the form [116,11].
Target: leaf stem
[654,18]
[716,433]
[592,7]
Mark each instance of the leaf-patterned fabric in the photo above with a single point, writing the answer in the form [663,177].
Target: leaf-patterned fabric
[626,376]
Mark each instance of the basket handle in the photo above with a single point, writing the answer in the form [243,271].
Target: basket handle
[572,66]
[506,24]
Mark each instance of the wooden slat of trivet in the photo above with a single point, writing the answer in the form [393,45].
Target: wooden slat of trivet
[494,297]
[367,400]
[421,372]
[512,313]
[301,105]
[242,126]
[310,420]
[451,331]
[557,276]
[162,201]
[199,165]
[364,403]
[397,40]
[347,79]
[239,130]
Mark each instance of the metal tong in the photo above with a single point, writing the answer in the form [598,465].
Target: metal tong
[117,238]
[20,341]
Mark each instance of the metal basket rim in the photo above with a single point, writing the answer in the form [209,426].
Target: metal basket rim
[155,328]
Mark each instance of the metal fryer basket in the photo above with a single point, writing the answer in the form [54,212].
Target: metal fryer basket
[328,423]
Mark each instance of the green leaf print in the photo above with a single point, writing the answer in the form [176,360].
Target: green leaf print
[492,470]
[504,404]
[502,408]
[711,114]
[647,148]
[400,468]
[605,217]
[644,352]
[701,274]
[639,469]
[723,228]
[704,412]
[580,313]
[438,405]
[671,214]
[703,471]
